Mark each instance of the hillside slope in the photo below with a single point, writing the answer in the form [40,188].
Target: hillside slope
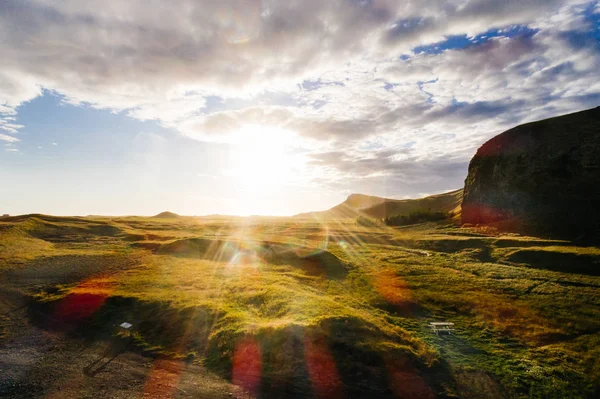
[378,207]
[541,177]
[166,215]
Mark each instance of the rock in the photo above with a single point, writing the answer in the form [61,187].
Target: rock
[539,178]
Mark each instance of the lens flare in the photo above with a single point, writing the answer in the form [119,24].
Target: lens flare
[247,365]
[322,370]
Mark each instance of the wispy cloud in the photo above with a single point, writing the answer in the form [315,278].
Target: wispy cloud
[7,125]
[10,139]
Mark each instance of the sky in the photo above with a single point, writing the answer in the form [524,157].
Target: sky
[272,107]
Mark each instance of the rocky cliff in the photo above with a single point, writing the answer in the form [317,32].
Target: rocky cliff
[541,177]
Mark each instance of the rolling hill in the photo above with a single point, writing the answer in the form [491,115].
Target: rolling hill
[166,215]
[378,207]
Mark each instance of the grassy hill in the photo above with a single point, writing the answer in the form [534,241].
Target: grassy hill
[166,215]
[300,307]
[377,207]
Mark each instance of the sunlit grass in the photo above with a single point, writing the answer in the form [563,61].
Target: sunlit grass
[526,323]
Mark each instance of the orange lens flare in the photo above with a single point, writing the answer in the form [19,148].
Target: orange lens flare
[76,307]
[405,381]
[163,379]
[323,373]
[247,365]
[84,300]
[394,290]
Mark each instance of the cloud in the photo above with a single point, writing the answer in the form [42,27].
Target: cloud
[8,138]
[119,55]
[6,125]
[341,75]
[390,176]
[141,55]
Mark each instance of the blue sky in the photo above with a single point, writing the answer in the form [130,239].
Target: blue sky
[272,107]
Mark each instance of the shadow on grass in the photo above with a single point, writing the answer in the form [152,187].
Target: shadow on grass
[557,261]
[370,374]
[219,250]
[453,245]
[76,230]
[312,261]
[476,248]
[524,243]
[330,359]
[66,269]
[316,263]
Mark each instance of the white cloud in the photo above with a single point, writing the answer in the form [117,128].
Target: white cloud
[146,56]
[9,127]
[331,71]
[7,111]
[10,139]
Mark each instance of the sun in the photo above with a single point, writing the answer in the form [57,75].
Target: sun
[261,156]
[263,161]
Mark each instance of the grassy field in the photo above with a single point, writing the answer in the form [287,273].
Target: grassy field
[324,309]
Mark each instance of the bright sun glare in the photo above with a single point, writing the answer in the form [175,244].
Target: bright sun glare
[262,162]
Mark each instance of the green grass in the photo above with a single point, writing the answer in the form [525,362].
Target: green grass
[527,310]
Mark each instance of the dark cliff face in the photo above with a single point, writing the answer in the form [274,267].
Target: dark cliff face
[543,177]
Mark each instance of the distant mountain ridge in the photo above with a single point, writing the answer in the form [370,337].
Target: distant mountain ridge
[378,207]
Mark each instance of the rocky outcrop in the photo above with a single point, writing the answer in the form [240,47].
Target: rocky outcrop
[541,177]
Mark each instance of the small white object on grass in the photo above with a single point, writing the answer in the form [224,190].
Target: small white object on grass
[438,327]
[126,328]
